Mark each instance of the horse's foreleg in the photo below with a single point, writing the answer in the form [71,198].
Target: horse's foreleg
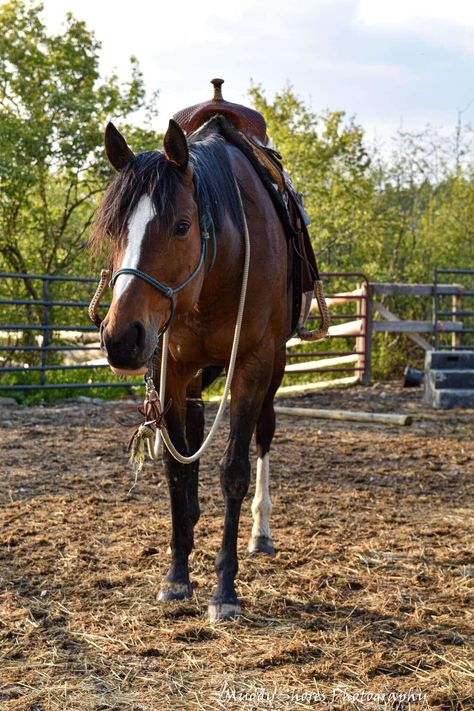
[176,584]
[261,537]
[194,437]
[250,385]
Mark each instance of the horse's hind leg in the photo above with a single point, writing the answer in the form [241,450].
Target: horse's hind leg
[261,538]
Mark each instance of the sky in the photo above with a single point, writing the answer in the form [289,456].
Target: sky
[389,63]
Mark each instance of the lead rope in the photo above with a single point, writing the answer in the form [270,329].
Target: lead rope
[162,434]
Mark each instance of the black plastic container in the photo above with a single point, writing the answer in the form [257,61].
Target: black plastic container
[412,378]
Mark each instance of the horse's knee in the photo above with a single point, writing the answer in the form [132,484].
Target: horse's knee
[235,476]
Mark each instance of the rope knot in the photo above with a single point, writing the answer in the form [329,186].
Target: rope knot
[154,420]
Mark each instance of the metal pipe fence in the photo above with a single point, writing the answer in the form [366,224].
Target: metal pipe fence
[458,310]
[40,341]
[40,337]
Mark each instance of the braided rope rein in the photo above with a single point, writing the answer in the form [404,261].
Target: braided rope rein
[145,432]
[105,276]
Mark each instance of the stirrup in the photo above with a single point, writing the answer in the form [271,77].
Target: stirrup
[323,329]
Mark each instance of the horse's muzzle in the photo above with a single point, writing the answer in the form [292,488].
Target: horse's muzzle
[127,352]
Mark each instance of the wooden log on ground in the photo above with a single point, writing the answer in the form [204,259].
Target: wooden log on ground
[312,387]
[379,418]
[310,365]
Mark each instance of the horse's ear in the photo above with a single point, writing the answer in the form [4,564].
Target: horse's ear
[116,147]
[176,146]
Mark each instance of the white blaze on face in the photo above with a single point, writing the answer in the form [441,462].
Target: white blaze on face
[139,219]
[262,505]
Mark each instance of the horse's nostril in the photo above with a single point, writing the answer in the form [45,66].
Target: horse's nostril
[126,348]
[138,338]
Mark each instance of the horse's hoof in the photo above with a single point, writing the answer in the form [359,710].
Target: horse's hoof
[223,611]
[261,544]
[174,591]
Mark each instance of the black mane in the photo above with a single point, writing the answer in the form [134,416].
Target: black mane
[150,173]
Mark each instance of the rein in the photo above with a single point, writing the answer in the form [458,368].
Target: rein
[152,410]
[161,433]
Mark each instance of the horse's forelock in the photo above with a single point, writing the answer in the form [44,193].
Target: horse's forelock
[150,173]
[141,176]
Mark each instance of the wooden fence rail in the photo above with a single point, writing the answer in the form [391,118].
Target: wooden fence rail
[363,325]
[352,366]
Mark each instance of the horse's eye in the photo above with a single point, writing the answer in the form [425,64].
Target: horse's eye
[182,229]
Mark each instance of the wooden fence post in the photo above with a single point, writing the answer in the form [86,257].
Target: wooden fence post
[367,373]
[456,338]
[364,343]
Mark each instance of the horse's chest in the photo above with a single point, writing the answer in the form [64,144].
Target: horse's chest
[196,342]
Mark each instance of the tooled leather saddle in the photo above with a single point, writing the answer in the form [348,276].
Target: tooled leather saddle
[246,128]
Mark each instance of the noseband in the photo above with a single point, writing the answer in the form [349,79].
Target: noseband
[207,233]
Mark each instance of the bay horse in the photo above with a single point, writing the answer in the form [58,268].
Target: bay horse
[152,218]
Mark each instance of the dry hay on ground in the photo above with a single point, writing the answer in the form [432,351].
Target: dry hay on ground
[370,590]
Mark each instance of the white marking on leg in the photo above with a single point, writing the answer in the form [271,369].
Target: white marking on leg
[137,223]
[261,504]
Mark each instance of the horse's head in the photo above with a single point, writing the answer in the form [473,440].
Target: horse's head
[150,216]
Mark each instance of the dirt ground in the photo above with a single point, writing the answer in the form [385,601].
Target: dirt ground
[367,603]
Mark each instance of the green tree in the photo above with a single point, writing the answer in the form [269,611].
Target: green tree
[425,195]
[53,109]
[394,216]
[327,159]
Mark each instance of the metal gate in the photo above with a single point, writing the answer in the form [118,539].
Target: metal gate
[462,338]
[41,332]
[32,347]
